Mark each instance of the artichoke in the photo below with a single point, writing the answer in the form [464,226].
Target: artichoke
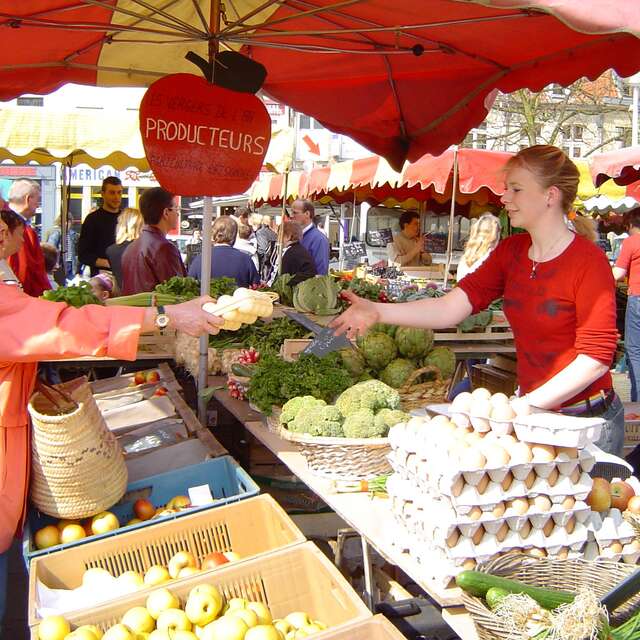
[379,350]
[442,358]
[317,295]
[397,372]
[413,342]
[353,361]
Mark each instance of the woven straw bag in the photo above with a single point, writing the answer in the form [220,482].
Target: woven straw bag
[563,575]
[415,395]
[78,468]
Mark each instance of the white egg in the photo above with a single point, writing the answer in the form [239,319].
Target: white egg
[502,413]
[498,399]
[461,402]
[480,408]
[415,422]
[481,394]
[542,503]
[496,456]
[543,452]
[520,453]
[439,420]
[471,459]
[521,406]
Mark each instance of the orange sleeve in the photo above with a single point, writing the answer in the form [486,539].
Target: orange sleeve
[34,329]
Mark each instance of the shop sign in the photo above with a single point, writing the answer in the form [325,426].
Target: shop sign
[83,174]
[201,139]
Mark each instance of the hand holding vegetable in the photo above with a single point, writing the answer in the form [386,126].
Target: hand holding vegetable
[188,317]
[357,318]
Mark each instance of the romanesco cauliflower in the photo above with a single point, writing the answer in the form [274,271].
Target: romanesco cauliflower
[369,394]
[362,424]
[293,406]
[387,418]
[318,420]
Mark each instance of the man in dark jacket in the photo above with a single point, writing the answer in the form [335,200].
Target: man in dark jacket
[152,259]
[296,260]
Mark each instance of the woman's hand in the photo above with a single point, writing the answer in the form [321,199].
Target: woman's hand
[357,318]
[190,318]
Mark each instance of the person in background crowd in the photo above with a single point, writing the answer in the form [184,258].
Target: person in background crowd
[246,242]
[628,266]
[127,230]
[54,234]
[152,259]
[585,227]
[242,215]
[558,297]
[484,236]
[102,286]
[296,260]
[313,240]
[28,263]
[50,262]
[33,329]
[196,238]
[226,261]
[13,226]
[99,228]
[266,239]
[407,248]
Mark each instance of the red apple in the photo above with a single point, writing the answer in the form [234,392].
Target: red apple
[599,499]
[144,509]
[160,391]
[139,377]
[634,505]
[213,560]
[153,377]
[621,493]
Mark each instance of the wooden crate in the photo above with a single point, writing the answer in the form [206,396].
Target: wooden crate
[498,329]
[298,578]
[376,628]
[158,342]
[251,528]
[631,426]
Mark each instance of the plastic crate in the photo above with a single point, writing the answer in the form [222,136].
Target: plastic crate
[251,528]
[227,481]
[299,578]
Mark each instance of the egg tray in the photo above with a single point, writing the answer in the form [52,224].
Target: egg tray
[629,555]
[610,528]
[481,424]
[558,429]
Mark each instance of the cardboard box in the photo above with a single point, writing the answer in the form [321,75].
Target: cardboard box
[251,528]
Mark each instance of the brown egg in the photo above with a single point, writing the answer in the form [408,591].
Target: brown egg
[633,546]
[498,510]
[453,538]
[553,478]
[615,547]
[543,452]
[502,532]
[570,525]
[526,530]
[570,452]
[496,456]
[469,564]
[520,453]
[475,513]
[478,535]
[575,475]
[537,553]
[457,487]
[471,459]
[507,481]
[542,503]
[568,503]
[563,554]
[530,479]
[519,505]
[548,528]
[481,487]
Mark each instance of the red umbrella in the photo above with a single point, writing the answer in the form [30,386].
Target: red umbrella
[622,165]
[403,78]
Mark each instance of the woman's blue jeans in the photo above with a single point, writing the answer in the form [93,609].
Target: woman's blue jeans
[632,344]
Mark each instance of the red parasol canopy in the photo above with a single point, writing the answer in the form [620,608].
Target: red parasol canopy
[622,165]
[403,78]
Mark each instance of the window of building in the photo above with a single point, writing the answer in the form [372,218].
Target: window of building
[305,122]
[481,141]
[30,101]
[317,125]
[627,90]
[577,152]
[567,150]
[578,130]
[623,134]
[557,90]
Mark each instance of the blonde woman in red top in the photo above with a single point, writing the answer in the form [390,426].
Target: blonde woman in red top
[558,295]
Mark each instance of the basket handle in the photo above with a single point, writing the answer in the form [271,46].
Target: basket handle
[417,373]
[49,391]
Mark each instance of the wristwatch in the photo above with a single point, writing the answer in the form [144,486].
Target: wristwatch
[162,319]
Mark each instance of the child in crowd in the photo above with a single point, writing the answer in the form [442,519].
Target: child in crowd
[50,262]
[102,286]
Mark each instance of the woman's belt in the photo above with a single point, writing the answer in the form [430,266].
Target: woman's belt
[594,405]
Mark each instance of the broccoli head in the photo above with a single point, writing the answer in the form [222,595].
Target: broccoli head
[318,420]
[387,418]
[369,394]
[292,407]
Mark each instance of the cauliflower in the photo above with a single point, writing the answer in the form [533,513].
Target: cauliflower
[442,358]
[379,350]
[369,394]
[387,418]
[318,420]
[292,407]
[413,342]
[397,372]
[361,424]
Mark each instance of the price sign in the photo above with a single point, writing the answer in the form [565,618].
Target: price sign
[354,250]
[380,237]
[435,242]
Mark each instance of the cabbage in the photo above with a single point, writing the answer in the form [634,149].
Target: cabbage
[413,342]
[397,372]
[317,295]
[379,350]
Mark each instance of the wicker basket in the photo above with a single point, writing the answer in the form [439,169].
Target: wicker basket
[564,575]
[415,395]
[78,469]
[343,458]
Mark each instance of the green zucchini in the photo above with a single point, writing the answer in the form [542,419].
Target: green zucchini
[242,370]
[477,583]
[495,596]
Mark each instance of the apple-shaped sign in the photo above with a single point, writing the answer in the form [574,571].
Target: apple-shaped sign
[201,139]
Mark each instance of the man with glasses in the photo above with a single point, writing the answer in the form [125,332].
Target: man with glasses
[152,259]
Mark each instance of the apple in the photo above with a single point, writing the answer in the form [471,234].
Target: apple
[104,522]
[159,635]
[181,560]
[46,537]
[139,377]
[156,575]
[232,556]
[133,521]
[164,512]
[96,578]
[250,617]
[237,603]
[161,391]
[172,620]
[298,619]
[138,619]
[63,523]
[262,611]
[53,628]
[621,493]
[263,632]
[82,634]
[282,626]
[119,632]
[225,628]
[634,505]
[203,606]
[179,502]
[71,533]
[188,571]
[213,560]
[161,600]
[599,499]
[144,509]
[312,628]
[130,581]
[92,628]
[152,377]
[319,624]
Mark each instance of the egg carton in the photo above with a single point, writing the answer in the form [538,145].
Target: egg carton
[630,553]
[558,429]
[610,527]
[481,424]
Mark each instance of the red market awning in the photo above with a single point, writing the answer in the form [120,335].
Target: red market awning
[622,166]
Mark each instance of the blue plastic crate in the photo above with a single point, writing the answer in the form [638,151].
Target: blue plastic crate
[227,481]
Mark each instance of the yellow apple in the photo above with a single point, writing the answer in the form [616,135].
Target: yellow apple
[232,556]
[138,619]
[53,628]
[81,634]
[181,560]
[298,619]
[206,588]
[104,522]
[283,626]
[159,635]
[247,615]
[119,632]
[155,575]
[183,635]
[179,502]
[71,533]
[96,578]
[225,628]
[46,537]
[237,603]
[131,581]
[63,523]
[203,606]
[187,571]
[161,600]
[173,620]
[92,628]
[263,632]
[262,611]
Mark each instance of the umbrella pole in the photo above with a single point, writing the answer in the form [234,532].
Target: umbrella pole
[205,277]
[281,227]
[452,215]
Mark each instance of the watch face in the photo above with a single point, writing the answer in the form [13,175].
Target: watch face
[162,320]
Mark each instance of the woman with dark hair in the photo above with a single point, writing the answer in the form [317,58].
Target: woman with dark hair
[13,244]
[227,262]
[296,260]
